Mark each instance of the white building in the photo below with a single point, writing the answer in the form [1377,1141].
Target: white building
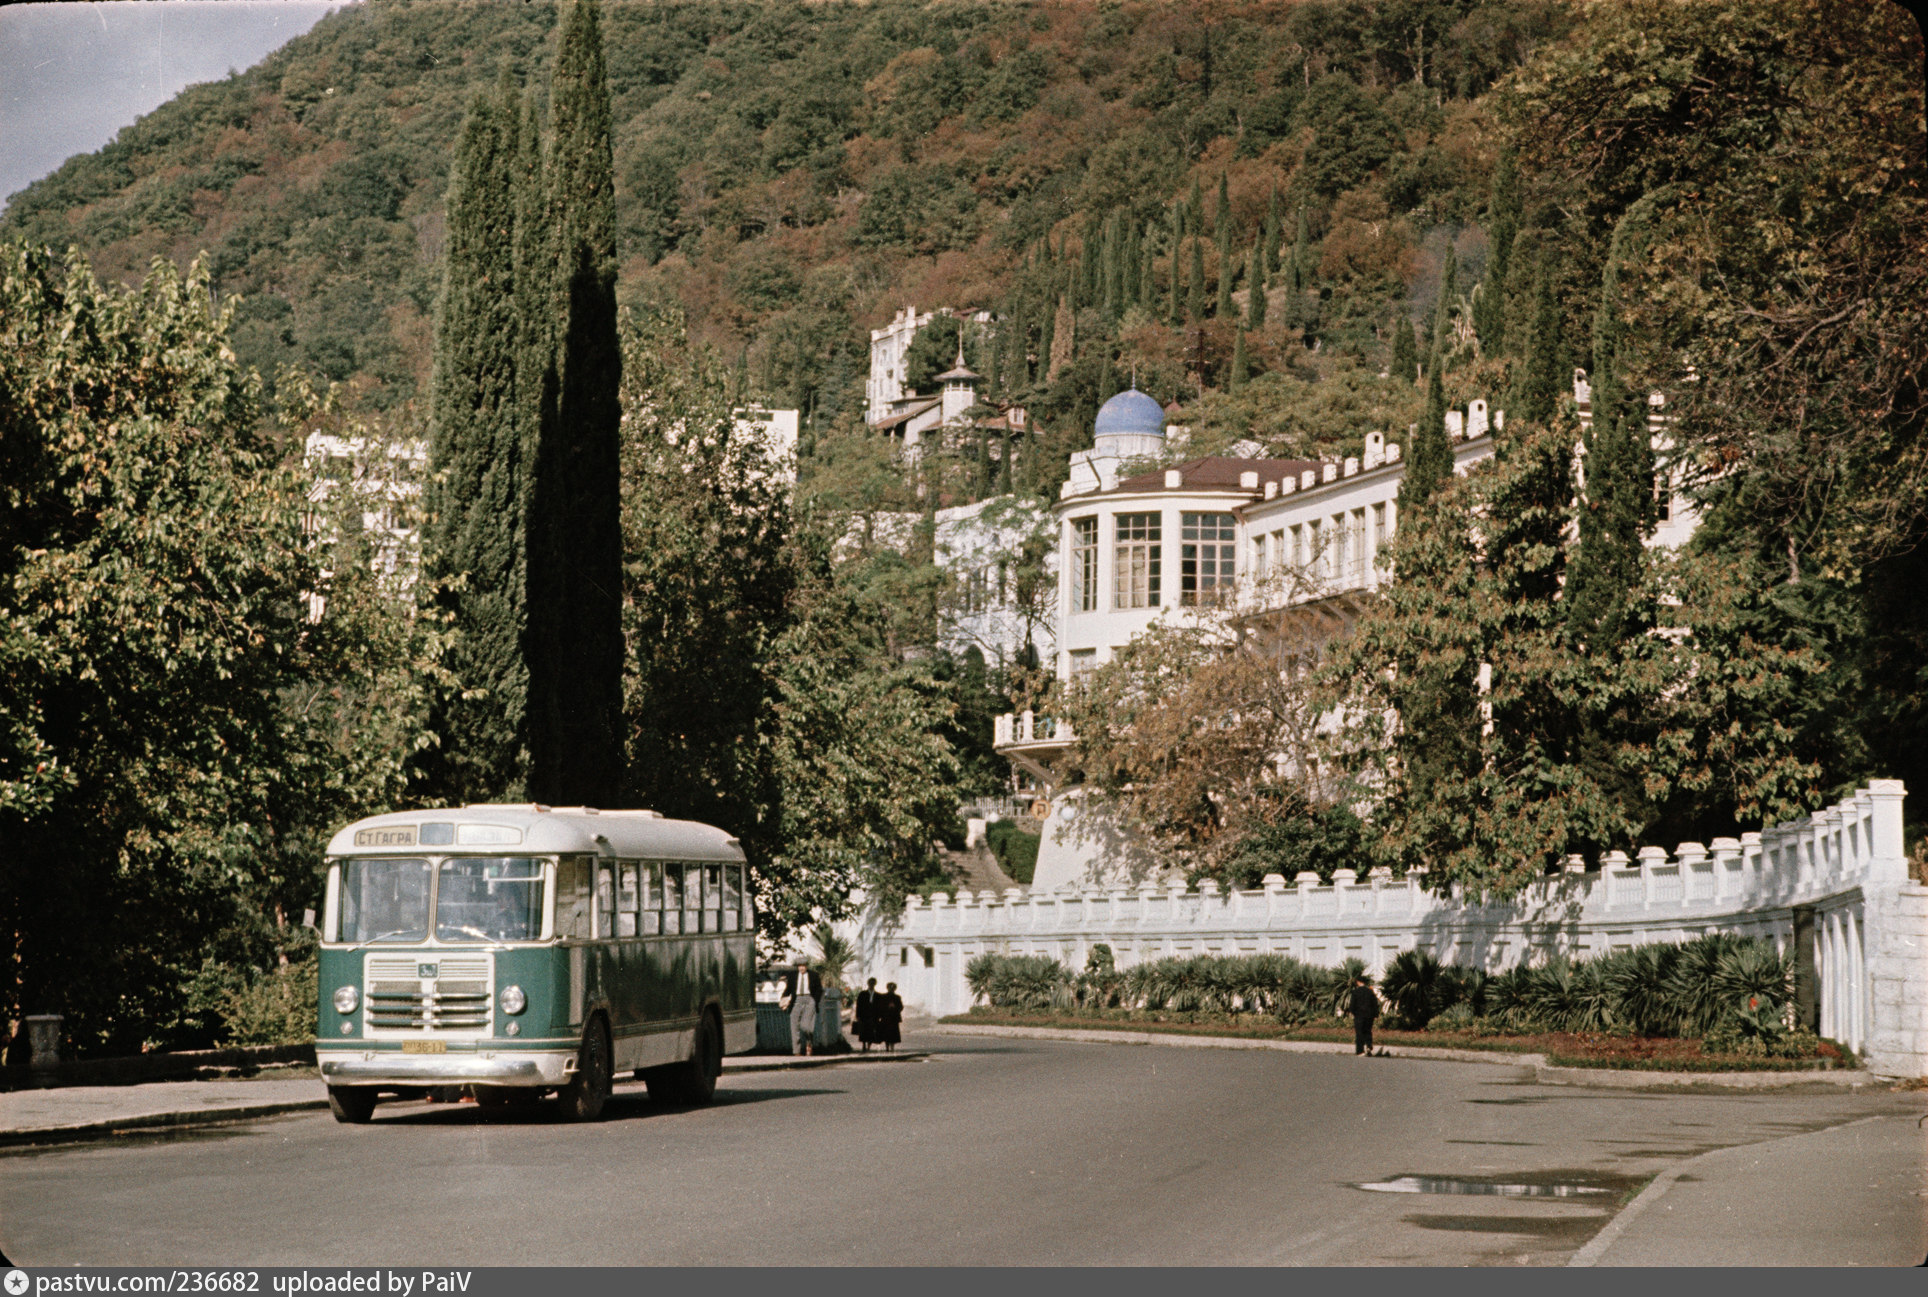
[1266,541]
[902,412]
[994,604]
[776,432]
[384,482]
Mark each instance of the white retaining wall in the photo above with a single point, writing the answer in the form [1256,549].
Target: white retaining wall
[1843,868]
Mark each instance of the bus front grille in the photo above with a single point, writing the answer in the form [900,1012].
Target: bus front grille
[456,999]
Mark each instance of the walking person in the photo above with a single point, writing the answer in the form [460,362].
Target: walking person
[890,1018]
[1365,1007]
[866,1016]
[802,989]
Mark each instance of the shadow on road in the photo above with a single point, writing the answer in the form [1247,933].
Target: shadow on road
[619,1107]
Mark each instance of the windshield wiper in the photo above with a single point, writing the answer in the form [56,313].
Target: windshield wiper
[497,942]
[381,937]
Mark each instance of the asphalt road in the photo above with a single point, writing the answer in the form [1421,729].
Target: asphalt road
[993,1152]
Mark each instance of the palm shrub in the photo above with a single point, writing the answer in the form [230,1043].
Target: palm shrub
[1101,985]
[1753,978]
[1418,987]
[1020,981]
[1468,988]
[1507,998]
[1693,990]
[1638,982]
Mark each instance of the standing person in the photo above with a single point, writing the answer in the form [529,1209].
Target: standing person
[802,988]
[1365,1007]
[890,1018]
[866,1019]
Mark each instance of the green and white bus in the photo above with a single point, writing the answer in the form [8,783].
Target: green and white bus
[528,949]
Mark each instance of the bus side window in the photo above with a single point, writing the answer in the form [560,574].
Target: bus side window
[605,899]
[712,898]
[692,898]
[626,899]
[652,899]
[672,899]
[732,896]
[572,897]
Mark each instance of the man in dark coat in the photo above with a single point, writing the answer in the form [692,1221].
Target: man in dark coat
[802,1006]
[1365,1007]
[866,1022]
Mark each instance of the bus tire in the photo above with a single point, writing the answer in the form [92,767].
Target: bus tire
[582,1099]
[353,1105]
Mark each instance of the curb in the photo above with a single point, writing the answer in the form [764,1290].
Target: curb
[153,1121]
[1609,1234]
[1628,1078]
[1543,1072]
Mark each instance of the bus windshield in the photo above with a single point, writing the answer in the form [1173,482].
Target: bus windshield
[384,900]
[489,898]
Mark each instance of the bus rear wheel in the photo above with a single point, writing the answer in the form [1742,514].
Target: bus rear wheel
[353,1105]
[582,1099]
[692,1082]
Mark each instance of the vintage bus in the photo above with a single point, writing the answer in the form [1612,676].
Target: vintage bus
[523,950]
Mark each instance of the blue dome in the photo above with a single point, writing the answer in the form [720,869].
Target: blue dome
[1130,413]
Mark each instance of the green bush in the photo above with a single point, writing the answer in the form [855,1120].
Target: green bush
[1016,851]
[276,1009]
[1020,981]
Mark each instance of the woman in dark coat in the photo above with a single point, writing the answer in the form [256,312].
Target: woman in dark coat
[890,1017]
[866,1020]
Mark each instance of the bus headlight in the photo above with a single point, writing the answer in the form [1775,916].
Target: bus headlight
[347,998]
[512,999]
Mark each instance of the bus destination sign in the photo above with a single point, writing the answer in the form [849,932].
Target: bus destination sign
[400,835]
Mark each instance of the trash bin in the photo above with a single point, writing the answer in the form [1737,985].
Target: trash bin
[772,1029]
[829,1024]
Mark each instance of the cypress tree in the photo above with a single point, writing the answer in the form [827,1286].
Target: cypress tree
[1195,290]
[1255,287]
[1617,509]
[1147,265]
[575,640]
[1241,363]
[1045,343]
[1489,313]
[1223,307]
[1301,254]
[1273,233]
[1442,344]
[1429,461]
[1175,310]
[1114,267]
[1404,366]
[1222,216]
[476,526]
[1195,210]
[1541,381]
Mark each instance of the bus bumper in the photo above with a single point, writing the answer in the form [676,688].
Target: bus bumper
[530,1069]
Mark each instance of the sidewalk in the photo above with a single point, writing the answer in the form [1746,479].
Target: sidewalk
[70,1114]
[1779,1204]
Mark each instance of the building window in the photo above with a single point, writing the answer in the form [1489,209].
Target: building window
[1315,563]
[1379,536]
[1205,558]
[1357,531]
[1082,660]
[1258,557]
[1084,564]
[1135,561]
[1297,552]
[1663,497]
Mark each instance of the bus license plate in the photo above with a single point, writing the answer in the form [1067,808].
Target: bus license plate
[425,1047]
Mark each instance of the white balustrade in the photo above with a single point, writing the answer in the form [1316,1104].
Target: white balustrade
[1844,864]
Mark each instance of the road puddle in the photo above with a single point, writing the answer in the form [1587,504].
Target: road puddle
[1448,1184]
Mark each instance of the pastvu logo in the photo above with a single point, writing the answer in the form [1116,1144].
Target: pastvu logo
[16,1282]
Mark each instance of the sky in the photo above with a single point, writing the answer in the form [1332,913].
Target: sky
[73,74]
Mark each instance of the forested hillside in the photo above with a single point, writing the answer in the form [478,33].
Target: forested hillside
[792,175]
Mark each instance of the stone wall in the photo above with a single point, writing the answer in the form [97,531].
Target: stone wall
[1838,877]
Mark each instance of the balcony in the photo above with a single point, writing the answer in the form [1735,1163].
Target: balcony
[1030,733]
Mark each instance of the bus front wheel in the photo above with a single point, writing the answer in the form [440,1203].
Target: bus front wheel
[582,1099]
[353,1105]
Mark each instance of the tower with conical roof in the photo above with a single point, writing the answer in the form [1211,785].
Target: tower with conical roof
[960,387]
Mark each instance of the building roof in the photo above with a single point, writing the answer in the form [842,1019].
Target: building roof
[960,374]
[1129,413]
[1212,473]
[908,413]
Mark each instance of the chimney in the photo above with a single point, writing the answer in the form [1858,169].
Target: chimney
[1248,480]
[1173,479]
